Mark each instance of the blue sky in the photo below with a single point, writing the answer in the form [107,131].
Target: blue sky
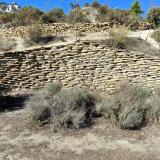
[65,4]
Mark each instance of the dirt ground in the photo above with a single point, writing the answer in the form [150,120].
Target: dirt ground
[102,141]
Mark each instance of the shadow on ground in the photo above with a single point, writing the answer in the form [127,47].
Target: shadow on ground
[11,103]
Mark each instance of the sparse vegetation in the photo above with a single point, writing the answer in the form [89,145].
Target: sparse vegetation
[30,15]
[63,108]
[130,107]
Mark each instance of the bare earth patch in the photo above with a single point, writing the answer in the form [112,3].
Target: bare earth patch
[102,141]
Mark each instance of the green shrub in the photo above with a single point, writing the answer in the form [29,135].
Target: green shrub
[127,108]
[63,108]
[55,16]
[153,16]
[118,37]
[156,35]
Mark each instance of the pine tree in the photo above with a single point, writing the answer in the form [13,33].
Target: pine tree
[136,8]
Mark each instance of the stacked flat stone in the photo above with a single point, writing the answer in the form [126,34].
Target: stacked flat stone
[59,28]
[90,64]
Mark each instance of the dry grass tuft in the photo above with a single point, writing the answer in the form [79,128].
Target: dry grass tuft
[118,37]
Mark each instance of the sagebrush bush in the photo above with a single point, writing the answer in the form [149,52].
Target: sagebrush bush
[64,108]
[153,110]
[156,35]
[34,34]
[127,108]
[118,37]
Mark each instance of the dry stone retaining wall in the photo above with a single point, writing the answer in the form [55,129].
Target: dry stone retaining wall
[63,27]
[90,64]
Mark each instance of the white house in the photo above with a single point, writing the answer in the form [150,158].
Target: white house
[9,8]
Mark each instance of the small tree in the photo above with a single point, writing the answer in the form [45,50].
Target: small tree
[136,8]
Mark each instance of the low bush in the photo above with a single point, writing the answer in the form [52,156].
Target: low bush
[36,36]
[57,15]
[153,112]
[153,16]
[76,16]
[156,35]
[63,108]
[118,37]
[127,108]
